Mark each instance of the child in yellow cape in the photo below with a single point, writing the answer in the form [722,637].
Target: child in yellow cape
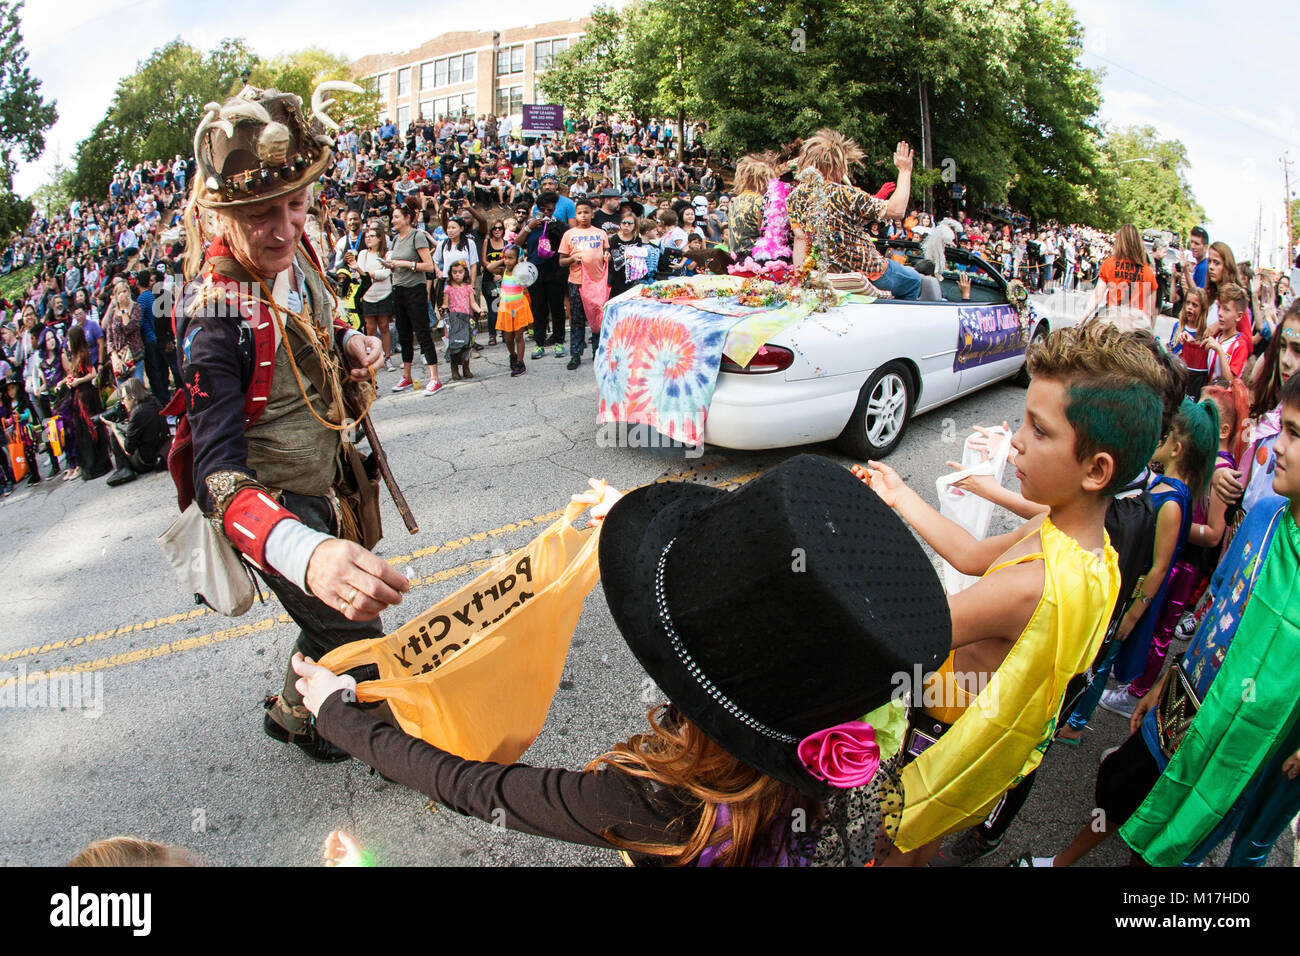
[1038,614]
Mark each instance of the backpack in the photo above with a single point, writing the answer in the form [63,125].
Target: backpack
[1131,524]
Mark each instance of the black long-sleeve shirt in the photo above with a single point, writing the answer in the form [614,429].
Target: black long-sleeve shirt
[574,806]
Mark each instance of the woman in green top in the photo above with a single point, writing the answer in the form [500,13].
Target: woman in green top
[412,265]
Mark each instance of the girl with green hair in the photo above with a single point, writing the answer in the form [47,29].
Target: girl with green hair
[1186,460]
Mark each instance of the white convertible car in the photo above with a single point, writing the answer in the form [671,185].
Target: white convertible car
[857,373]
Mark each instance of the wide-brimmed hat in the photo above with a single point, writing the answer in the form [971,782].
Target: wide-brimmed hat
[768,614]
[260,145]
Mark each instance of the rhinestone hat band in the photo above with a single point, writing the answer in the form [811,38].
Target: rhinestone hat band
[693,668]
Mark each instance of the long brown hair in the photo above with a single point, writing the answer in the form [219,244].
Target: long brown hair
[1203,309]
[1128,245]
[1267,384]
[753,172]
[1229,274]
[678,755]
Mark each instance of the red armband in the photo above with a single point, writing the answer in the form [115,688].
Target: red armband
[248,520]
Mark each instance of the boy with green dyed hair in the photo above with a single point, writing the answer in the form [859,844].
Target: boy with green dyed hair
[1037,615]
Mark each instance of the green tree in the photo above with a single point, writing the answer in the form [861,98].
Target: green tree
[587,78]
[156,109]
[301,72]
[24,117]
[1010,106]
[55,194]
[1150,175]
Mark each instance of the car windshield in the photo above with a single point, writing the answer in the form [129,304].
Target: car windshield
[987,284]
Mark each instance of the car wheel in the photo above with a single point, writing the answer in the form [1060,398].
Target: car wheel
[1040,333]
[884,405]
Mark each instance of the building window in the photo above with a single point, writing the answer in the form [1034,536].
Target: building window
[403,118]
[440,73]
[467,70]
[381,85]
[426,76]
[510,100]
[546,51]
[404,81]
[510,60]
[426,110]
[455,107]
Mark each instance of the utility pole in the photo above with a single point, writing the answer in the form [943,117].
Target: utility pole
[1259,222]
[1286,206]
[926,145]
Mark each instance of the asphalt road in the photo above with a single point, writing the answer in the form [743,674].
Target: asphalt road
[166,741]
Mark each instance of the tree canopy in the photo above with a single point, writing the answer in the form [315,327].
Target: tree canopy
[156,109]
[24,117]
[1151,177]
[1010,105]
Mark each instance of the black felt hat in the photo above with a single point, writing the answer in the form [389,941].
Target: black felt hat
[772,612]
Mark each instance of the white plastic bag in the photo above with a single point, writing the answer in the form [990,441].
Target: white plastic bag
[970,510]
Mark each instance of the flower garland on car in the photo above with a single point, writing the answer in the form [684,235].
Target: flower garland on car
[1018,296]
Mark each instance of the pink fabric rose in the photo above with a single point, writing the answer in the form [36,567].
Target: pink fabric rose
[845,756]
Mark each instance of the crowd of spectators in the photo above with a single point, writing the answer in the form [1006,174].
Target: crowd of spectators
[477,191]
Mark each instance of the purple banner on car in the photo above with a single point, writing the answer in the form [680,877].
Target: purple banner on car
[986,334]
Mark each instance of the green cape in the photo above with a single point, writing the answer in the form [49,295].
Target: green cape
[1249,710]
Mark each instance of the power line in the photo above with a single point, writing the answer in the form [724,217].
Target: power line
[1205,107]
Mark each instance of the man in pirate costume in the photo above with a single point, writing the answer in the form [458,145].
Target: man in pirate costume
[272,380]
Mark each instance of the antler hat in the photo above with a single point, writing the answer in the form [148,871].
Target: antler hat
[260,145]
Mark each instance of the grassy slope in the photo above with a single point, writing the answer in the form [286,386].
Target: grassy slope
[16,282]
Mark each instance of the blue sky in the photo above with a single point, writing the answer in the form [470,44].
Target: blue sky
[1214,77]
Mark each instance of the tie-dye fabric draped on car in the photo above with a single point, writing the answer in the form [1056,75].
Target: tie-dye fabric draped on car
[658,365]
[660,353]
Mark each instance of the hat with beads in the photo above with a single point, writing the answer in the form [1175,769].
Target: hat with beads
[260,145]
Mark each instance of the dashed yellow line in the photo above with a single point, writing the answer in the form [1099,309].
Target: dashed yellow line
[218,637]
[111,632]
[243,630]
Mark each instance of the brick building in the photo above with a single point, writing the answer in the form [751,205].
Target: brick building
[467,72]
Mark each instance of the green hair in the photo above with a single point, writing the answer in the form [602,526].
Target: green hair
[1118,416]
[1197,426]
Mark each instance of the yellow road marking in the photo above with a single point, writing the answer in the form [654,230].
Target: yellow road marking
[242,630]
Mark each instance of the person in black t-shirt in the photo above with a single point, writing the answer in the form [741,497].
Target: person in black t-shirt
[628,253]
[607,216]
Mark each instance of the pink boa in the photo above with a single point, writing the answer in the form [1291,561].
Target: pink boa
[775,240]
[774,269]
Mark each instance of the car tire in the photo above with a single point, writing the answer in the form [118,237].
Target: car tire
[881,415]
[1040,333]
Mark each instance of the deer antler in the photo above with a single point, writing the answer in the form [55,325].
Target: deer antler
[211,117]
[320,105]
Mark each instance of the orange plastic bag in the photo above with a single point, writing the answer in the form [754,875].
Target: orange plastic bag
[474,675]
[17,460]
